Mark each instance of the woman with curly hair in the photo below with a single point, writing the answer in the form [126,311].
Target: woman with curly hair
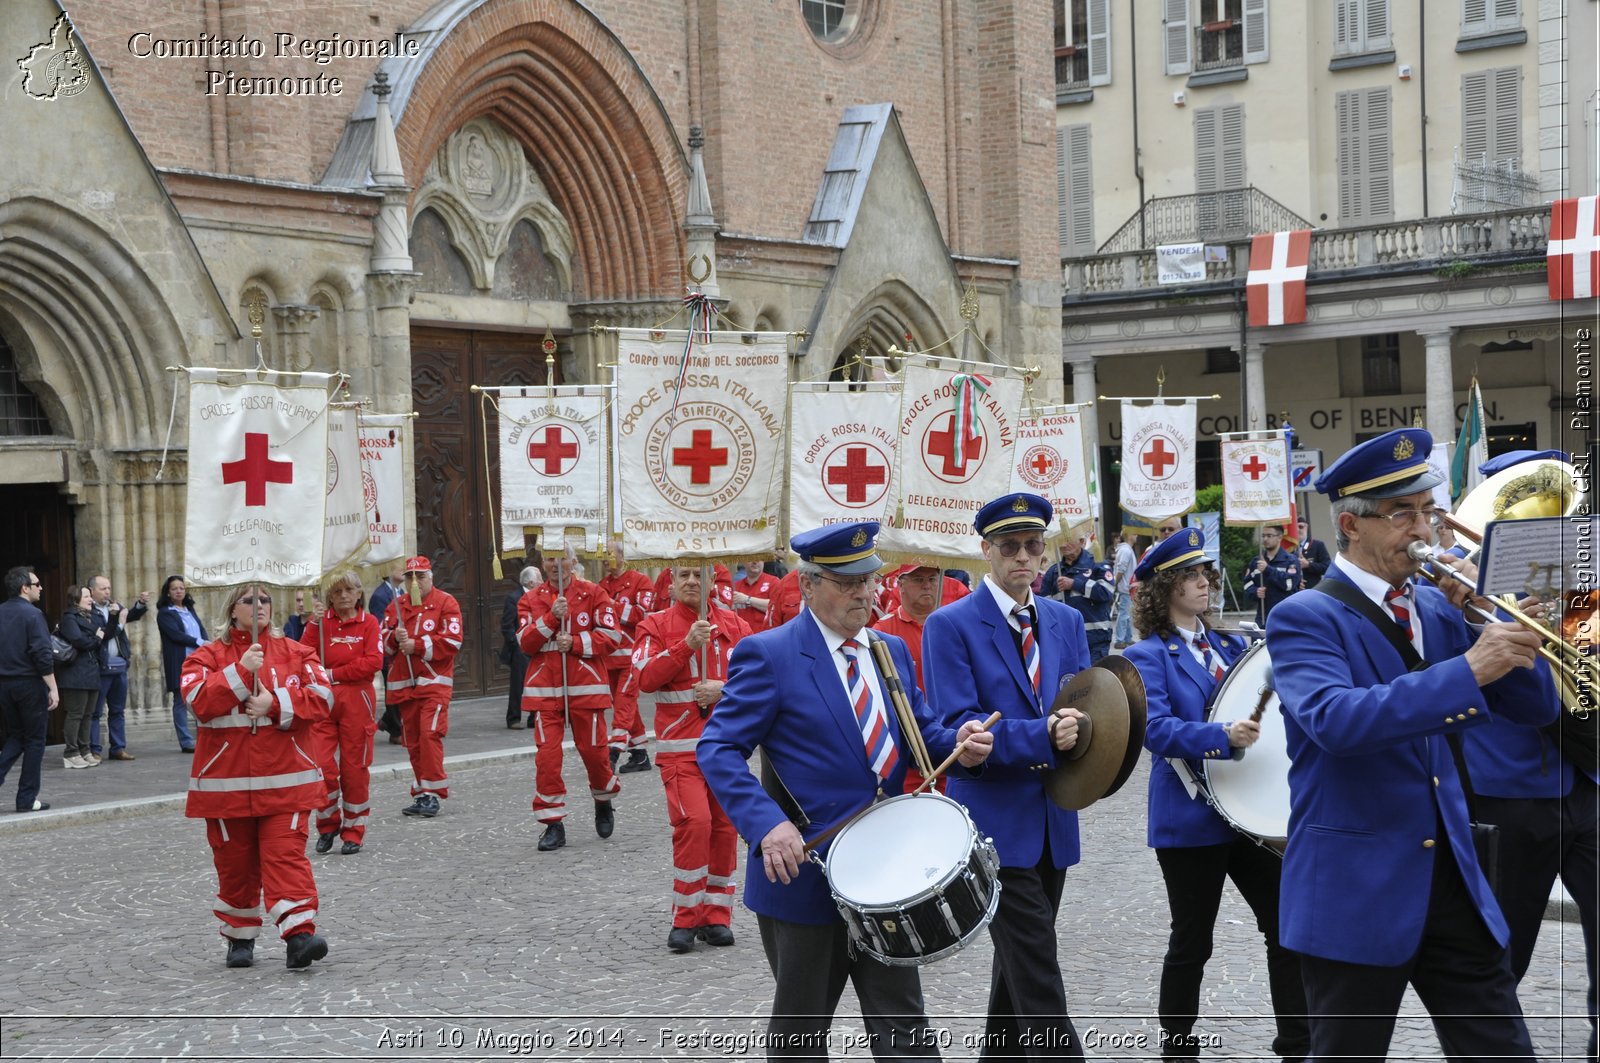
[1182,660]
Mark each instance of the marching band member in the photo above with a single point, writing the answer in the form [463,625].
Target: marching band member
[569,628]
[668,659]
[810,696]
[346,640]
[1182,661]
[1005,649]
[1272,575]
[633,597]
[1088,586]
[252,781]
[1381,882]
[423,631]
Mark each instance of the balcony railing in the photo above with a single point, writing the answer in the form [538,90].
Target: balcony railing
[1219,45]
[1072,69]
[1214,217]
[1524,232]
[1482,185]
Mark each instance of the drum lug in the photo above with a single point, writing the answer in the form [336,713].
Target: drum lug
[949,916]
[911,933]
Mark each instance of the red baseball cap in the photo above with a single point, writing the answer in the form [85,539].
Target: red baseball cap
[418,564]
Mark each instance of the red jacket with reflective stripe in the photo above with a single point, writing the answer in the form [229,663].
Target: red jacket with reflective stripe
[350,651]
[238,772]
[634,596]
[669,669]
[435,627]
[592,623]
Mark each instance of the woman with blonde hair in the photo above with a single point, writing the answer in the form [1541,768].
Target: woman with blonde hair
[256,696]
[345,638]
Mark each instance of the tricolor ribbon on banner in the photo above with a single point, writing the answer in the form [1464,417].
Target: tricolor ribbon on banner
[968,386]
[700,310]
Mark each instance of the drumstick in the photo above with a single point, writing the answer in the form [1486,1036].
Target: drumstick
[954,755]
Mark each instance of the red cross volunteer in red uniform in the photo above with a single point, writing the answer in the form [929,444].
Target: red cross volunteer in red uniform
[633,596]
[346,641]
[253,780]
[568,634]
[423,631]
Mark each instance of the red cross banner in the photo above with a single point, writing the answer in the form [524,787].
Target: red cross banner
[1276,286]
[841,452]
[700,442]
[383,488]
[938,489]
[344,522]
[553,466]
[1572,260]
[257,480]
[1256,485]
[1158,459]
[1051,461]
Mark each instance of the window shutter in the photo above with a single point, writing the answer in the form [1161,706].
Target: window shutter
[1099,42]
[1255,31]
[1474,16]
[1475,116]
[1080,190]
[1176,23]
[1063,199]
[1375,29]
[1232,145]
[1343,25]
[1507,14]
[1205,150]
[1506,114]
[1379,152]
[1347,125]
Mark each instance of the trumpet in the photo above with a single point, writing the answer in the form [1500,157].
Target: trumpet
[1574,670]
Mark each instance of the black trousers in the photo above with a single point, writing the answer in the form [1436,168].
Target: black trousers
[25,710]
[1027,998]
[1194,877]
[1541,838]
[810,964]
[390,721]
[1462,976]
[519,677]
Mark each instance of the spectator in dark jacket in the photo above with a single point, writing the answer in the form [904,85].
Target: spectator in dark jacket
[511,654]
[79,681]
[181,634]
[115,654]
[27,684]
[378,606]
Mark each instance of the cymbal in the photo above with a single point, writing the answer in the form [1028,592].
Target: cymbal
[1133,685]
[1099,694]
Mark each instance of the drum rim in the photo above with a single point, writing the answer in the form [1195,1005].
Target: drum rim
[974,842]
[965,939]
[1209,790]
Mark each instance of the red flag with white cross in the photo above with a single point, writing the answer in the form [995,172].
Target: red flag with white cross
[1572,260]
[1276,286]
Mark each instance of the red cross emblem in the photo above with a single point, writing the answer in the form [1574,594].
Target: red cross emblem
[862,468]
[1156,457]
[941,443]
[700,457]
[558,450]
[255,470]
[1255,468]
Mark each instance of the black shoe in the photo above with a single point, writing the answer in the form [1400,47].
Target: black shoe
[717,935]
[681,939]
[186,749]
[349,848]
[37,806]
[303,948]
[616,755]
[415,808]
[515,725]
[605,820]
[325,841]
[428,806]
[554,837]
[241,952]
[638,760]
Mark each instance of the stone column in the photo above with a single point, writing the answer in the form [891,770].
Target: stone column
[294,335]
[1083,391]
[1255,387]
[1439,383]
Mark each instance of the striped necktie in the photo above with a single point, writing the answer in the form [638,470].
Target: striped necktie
[1213,662]
[1030,645]
[870,718]
[1398,599]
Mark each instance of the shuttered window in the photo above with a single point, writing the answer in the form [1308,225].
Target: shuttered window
[1363,126]
[1360,26]
[1219,169]
[1490,16]
[1175,35]
[1255,31]
[1074,191]
[1099,19]
[1491,115]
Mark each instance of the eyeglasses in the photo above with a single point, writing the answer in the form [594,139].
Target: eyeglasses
[855,586]
[258,600]
[1009,548]
[1401,519]
[35,583]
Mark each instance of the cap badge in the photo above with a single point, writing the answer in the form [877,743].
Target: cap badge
[1194,537]
[1020,505]
[859,539]
[1404,449]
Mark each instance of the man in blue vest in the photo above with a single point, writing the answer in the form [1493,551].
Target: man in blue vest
[1088,586]
[1382,886]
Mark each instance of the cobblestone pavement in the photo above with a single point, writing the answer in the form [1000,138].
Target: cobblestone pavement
[454,939]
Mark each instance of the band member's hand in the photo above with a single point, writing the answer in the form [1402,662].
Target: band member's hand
[258,705]
[1501,648]
[1065,733]
[251,660]
[563,641]
[699,634]
[1458,593]
[707,691]
[979,744]
[558,608]
[1242,734]
[782,853]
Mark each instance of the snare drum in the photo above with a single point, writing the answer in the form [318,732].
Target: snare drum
[912,879]
[1251,793]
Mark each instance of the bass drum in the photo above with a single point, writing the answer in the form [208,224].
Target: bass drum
[912,879]
[1251,793]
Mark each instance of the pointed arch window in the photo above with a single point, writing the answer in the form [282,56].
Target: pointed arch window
[21,412]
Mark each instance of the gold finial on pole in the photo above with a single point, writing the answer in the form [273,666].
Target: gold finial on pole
[969,303]
[548,345]
[256,309]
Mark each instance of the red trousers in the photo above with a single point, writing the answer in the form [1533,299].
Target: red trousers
[343,745]
[424,721]
[704,845]
[589,735]
[627,729]
[263,857]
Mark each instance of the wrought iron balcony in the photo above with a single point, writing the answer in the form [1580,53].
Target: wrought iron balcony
[1213,217]
[1072,69]
[1219,45]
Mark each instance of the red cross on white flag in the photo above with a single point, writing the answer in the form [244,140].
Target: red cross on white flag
[553,473]
[1158,458]
[1573,259]
[842,446]
[1276,287]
